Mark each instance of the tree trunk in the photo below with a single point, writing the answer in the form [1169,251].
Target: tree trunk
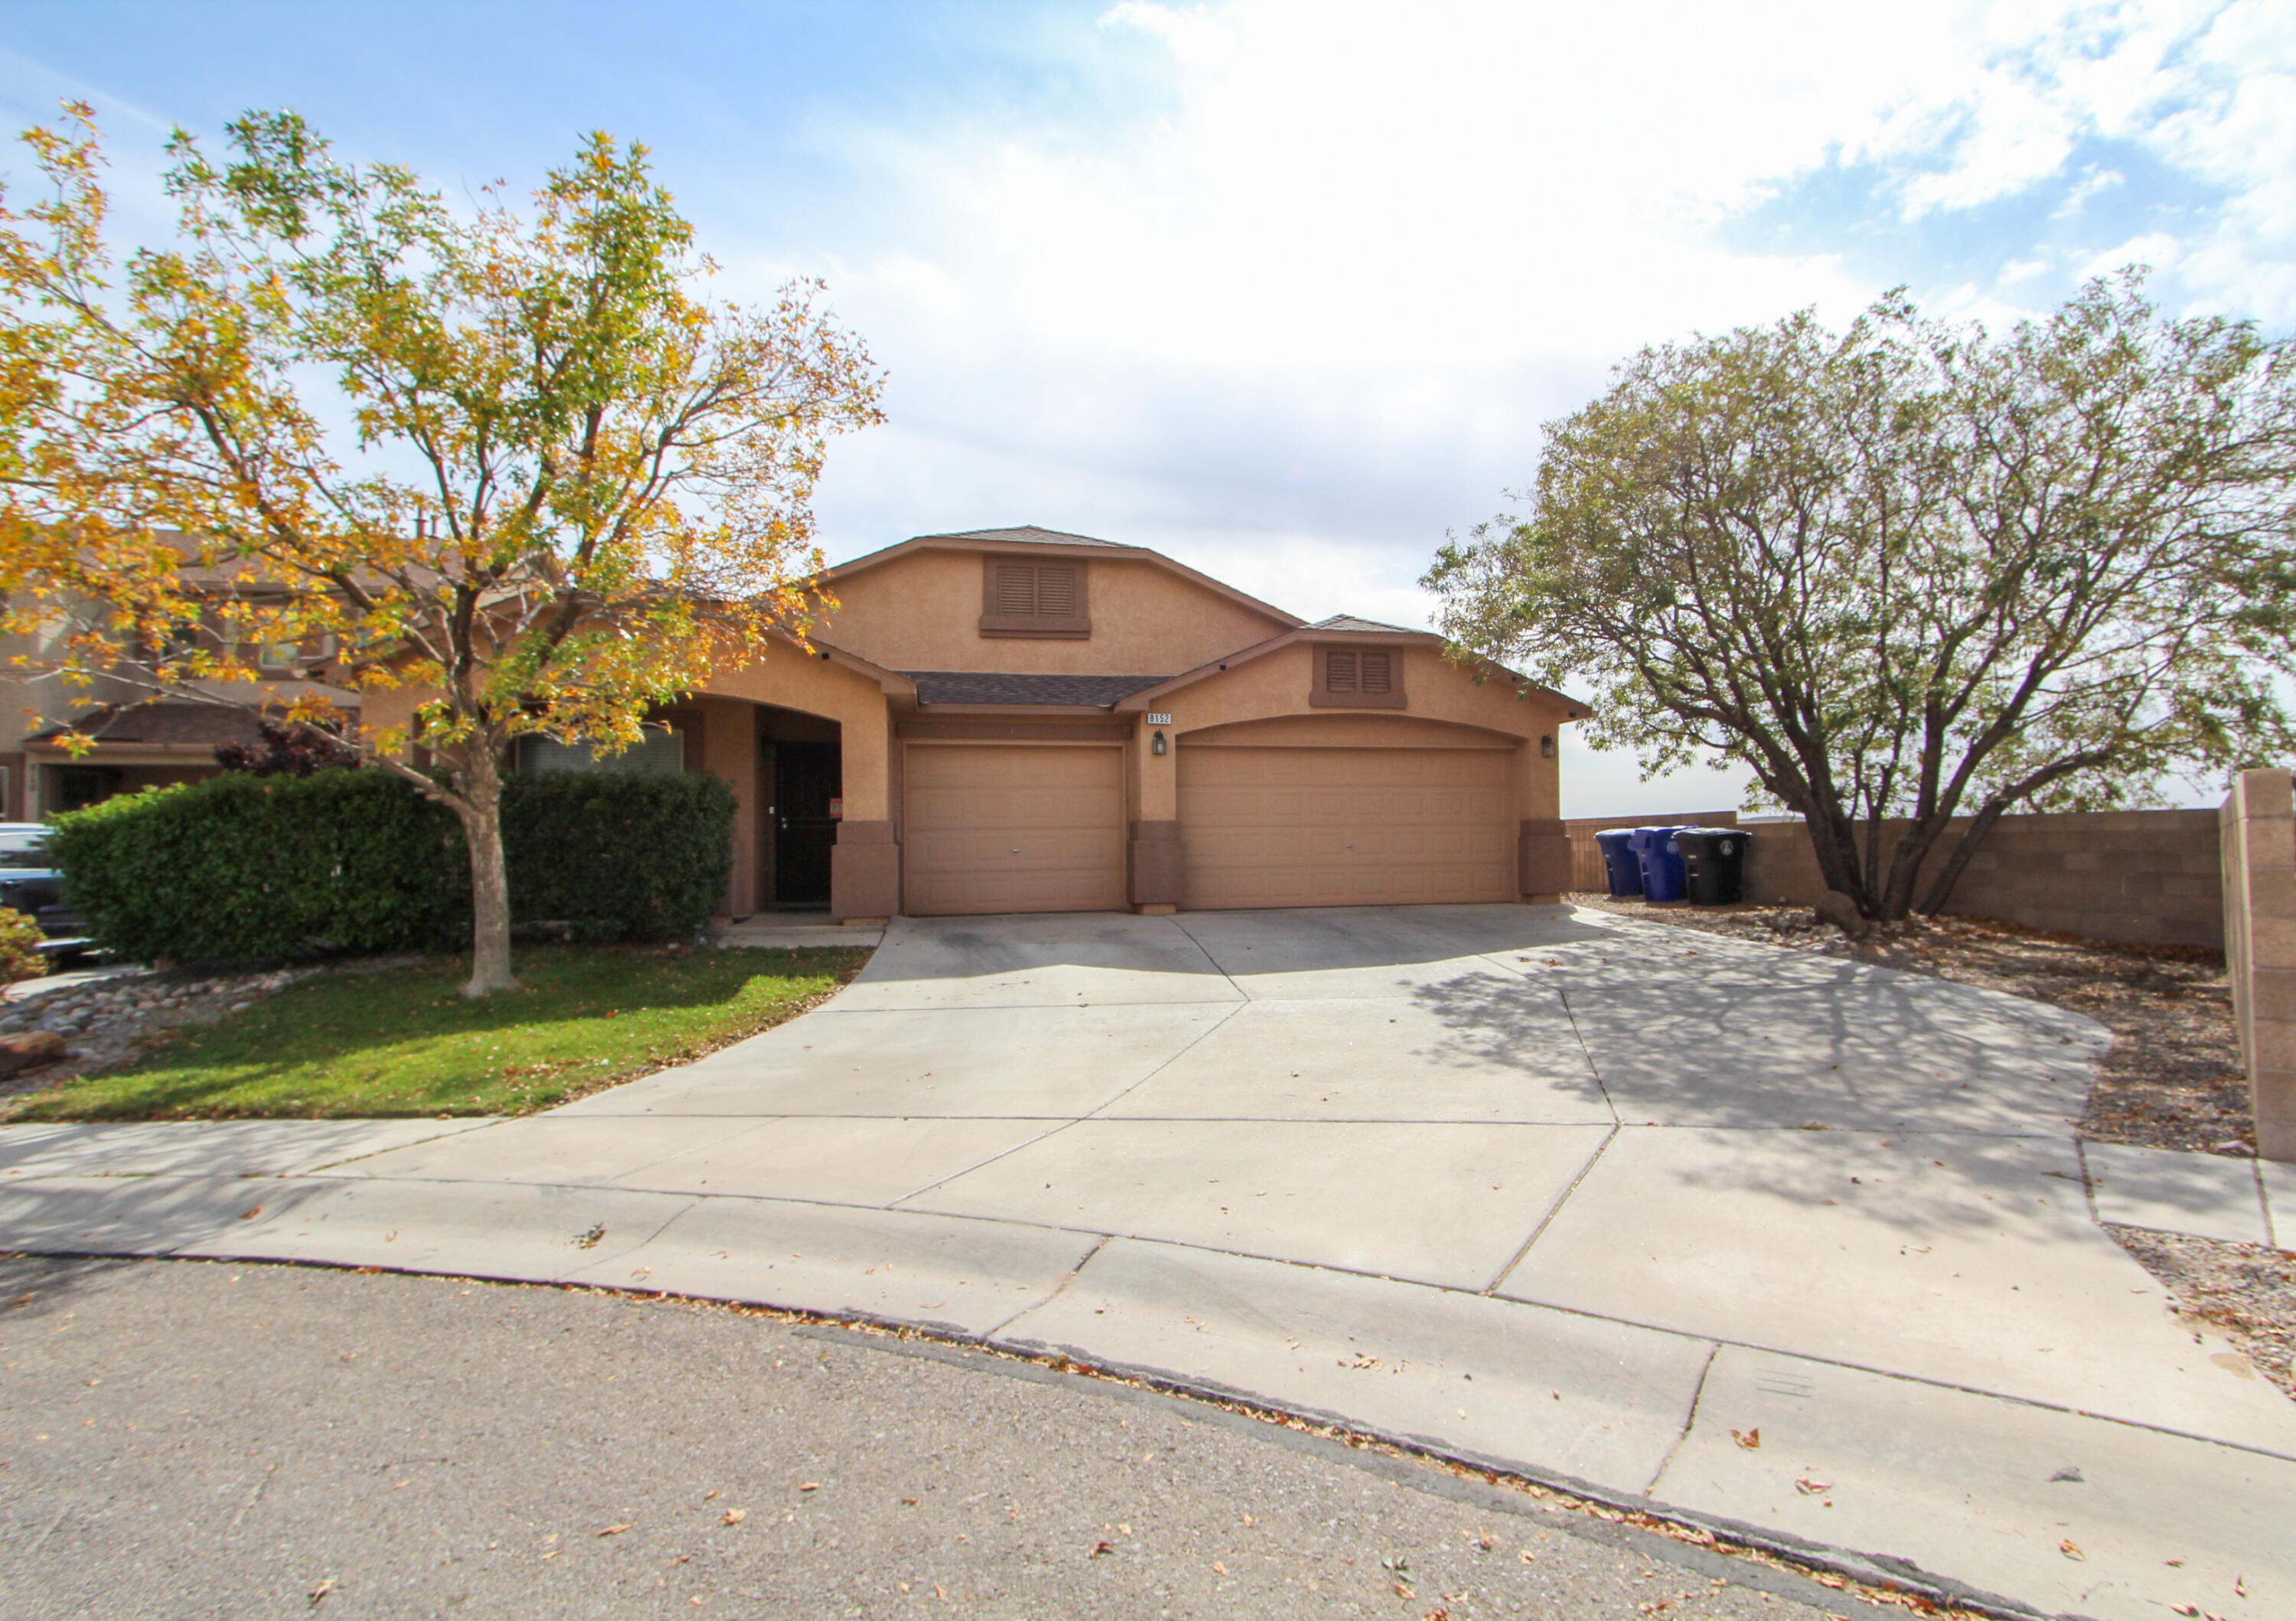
[1834,842]
[489,877]
[1942,886]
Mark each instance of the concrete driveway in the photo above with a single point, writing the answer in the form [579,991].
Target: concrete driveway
[1596,1200]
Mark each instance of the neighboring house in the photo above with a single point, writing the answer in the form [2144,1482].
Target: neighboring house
[1021,720]
[141,741]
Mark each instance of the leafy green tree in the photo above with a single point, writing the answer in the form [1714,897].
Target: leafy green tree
[1910,570]
[523,467]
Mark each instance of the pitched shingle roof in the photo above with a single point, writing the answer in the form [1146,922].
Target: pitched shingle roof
[1030,534]
[991,686]
[168,722]
[1354,626]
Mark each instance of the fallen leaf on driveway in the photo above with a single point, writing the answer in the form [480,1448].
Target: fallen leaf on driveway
[321,1589]
[2187,1610]
[617,1530]
[2070,1549]
[251,1214]
[1100,1547]
[1809,1487]
[808,1485]
[1752,1440]
[734,1517]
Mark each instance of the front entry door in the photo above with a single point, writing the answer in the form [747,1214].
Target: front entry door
[806,781]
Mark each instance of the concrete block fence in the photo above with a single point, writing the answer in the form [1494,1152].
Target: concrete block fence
[2147,878]
[2259,822]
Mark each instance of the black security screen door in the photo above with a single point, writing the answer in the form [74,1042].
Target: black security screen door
[804,830]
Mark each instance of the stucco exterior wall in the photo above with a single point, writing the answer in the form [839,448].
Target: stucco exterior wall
[1277,685]
[922,611]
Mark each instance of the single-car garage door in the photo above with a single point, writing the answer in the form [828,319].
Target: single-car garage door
[1339,827]
[1036,828]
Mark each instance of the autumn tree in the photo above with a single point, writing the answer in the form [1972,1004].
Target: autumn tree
[1911,570]
[516,463]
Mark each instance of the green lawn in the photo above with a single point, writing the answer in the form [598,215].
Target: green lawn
[404,1042]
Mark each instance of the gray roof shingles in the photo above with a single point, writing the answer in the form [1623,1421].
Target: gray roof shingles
[168,722]
[993,687]
[1030,534]
[1348,622]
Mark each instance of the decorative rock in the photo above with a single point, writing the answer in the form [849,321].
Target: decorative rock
[28,1051]
[1838,909]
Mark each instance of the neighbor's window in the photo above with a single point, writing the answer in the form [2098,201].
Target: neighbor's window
[662,749]
[1027,597]
[1358,677]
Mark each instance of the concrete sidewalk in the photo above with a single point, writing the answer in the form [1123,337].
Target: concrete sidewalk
[1575,1196]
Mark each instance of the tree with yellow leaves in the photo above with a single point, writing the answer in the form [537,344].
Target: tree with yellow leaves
[551,484]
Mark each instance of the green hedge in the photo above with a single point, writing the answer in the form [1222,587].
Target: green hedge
[241,868]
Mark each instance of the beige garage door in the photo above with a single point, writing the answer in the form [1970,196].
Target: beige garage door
[1023,829]
[1344,827]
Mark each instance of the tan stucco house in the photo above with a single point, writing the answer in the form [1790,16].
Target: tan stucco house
[1022,720]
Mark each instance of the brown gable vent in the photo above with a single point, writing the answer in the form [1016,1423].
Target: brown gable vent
[1357,678]
[1021,597]
[1016,589]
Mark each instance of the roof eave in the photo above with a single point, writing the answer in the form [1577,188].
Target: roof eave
[1007,711]
[1577,709]
[958,542]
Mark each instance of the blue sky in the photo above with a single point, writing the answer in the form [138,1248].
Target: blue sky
[1285,287]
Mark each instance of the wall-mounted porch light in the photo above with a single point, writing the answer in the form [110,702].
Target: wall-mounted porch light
[1156,744]
[1546,747]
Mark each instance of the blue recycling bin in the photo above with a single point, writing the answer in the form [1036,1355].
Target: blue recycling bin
[1662,861]
[1621,864]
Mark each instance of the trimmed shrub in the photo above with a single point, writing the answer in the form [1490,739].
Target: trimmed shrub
[617,854]
[239,867]
[20,956]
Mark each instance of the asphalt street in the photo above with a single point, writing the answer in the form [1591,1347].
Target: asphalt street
[186,1439]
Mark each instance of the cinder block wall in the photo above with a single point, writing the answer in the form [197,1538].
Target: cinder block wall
[1587,855]
[2258,823]
[2148,878]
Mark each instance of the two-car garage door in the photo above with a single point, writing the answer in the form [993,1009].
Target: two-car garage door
[1337,827]
[1038,827]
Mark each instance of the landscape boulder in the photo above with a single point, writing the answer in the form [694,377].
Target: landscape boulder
[1838,909]
[28,1051]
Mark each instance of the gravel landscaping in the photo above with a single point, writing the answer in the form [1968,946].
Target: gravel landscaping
[104,1021]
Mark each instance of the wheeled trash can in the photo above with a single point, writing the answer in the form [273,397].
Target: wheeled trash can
[1662,861]
[1713,864]
[1620,865]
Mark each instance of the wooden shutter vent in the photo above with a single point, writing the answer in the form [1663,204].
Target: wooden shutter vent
[1022,597]
[1357,679]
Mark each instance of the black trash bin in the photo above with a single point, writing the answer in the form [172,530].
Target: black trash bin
[1713,864]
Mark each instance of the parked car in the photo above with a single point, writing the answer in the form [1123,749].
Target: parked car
[29,883]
